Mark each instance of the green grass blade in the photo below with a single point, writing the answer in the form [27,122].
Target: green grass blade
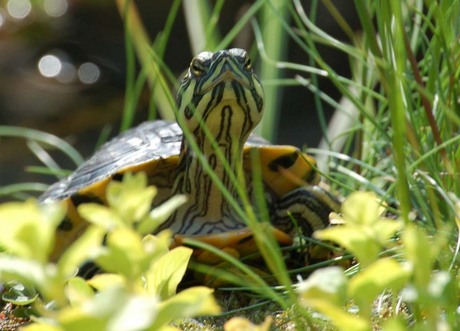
[274,43]
[142,45]
[18,190]
[201,24]
[43,137]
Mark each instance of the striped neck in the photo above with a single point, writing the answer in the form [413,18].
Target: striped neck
[208,209]
[220,101]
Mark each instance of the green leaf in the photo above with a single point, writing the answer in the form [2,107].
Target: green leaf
[78,291]
[165,274]
[104,281]
[137,312]
[160,214]
[442,290]
[131,199]
[77,319]
[188,303]
[364,233]
[124,253]
[94,314]
[52,215]
[33,274]
[169,328]
[242,323]
[361,208]
[100,215]
[395,324]
[327,283]
[419,254]
[83,249]
[28,229]
[41,326]
[343,321]
[384,274]
[384,229]
[113,309]
[355,240]
[19,294]
[157,245]
[28,272]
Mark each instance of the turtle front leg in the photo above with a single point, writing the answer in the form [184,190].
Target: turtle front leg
[309,206]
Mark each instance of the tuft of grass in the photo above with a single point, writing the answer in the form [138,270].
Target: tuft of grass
[35,136]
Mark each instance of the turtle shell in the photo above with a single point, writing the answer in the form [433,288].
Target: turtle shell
[149,142]
[154,147]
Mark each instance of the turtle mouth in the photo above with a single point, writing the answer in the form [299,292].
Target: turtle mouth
[227,77]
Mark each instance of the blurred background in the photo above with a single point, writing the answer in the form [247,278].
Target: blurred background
[63,70]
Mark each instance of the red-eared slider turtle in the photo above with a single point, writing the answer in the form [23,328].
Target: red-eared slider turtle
[220,101]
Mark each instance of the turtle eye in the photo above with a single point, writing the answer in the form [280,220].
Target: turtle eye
[247,63]
[197,67]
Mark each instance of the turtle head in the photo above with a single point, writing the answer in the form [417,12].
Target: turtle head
[221,91]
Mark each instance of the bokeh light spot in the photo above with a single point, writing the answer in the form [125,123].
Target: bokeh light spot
[67,73]
[88,73]
[19,9]
[55,8]
[49,65]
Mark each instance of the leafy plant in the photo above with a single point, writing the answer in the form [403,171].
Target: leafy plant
[410,281]
[137,290]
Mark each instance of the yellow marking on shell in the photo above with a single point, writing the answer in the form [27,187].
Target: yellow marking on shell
[151,168]
[97,190]
[154,167]
[282,180]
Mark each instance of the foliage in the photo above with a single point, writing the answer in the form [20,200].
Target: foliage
[238,324]
[407,277]
[140,274]
[401,139]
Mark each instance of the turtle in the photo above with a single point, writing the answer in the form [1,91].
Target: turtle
[220,101]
